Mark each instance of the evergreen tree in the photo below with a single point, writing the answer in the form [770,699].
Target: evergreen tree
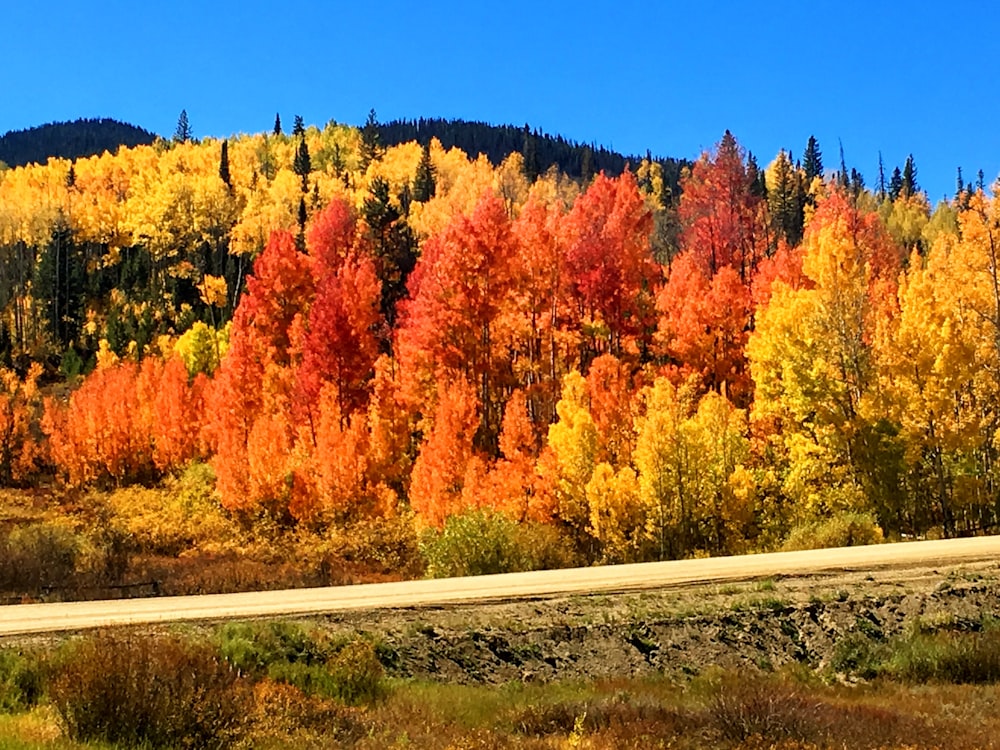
[842,176]
[895,184]
[587,165]
[393,244]
[302,164]
[298,127]
[183,132]
[277,123]
[530,154]
[224,165]
[960,189]
[371,145]
[910,186]
[857,182]
[70,176]
[424,183]
[980,181]
[881,177]
[812,160]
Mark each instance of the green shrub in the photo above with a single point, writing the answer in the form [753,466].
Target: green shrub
[845,530]
[963,658]
[21,680]
[150,691]
[357,675]
[479,542]
[253,648]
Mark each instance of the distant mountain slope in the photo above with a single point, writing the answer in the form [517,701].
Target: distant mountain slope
[69,140]
[499,141]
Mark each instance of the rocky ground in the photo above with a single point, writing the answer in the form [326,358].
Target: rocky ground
[764,623]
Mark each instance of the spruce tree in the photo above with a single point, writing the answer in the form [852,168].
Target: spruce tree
[298,127]
[960,186]
[183,132]
[224,165]
[371,146]
[393,243]
[980,181]
[895,184]
[910,186]
[530,154]
[424,183]
[881,177]
[812,160]
[277,123]
[302,164]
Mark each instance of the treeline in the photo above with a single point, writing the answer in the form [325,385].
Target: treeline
[69,140]
[541,151]
[405,332]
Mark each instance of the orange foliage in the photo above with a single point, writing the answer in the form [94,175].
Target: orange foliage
[440,469]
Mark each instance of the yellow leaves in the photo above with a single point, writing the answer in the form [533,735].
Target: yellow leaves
[213,291]
[616,513]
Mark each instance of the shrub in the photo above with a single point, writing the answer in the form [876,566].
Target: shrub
[481,542]
[21,680]
[153,691]
[845,530]
[37,557]
[751,707]
[357,675]
[965,658]
[253,648]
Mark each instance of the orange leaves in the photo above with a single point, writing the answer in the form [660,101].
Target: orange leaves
[440,470]
[609,261]
[125,424]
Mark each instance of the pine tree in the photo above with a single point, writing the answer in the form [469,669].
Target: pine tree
[371,146]
[881,177]
[277,124]
[895,184]
[587,165]
[812,160]
[910,186]
[530,154]
[224,165]
[424,183]
[980,181]
[183,132]
[960,186]
[842,177]
[302,164]
[298,127]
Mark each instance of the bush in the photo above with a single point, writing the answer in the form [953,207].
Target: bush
[151,691]
[21,680]
[38,557]
[751,707]
[963,658]
[479,542]
[845,530]
[357,675]
[292,654]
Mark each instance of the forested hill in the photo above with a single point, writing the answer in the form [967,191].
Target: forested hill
[69,140]
[540,150]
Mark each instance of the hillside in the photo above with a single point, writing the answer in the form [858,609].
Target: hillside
[497,142]
[69,140]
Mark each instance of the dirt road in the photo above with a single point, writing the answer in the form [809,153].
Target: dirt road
[56,617]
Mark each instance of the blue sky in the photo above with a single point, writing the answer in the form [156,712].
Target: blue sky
[891,77]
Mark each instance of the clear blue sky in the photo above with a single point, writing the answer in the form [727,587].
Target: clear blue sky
[914,77]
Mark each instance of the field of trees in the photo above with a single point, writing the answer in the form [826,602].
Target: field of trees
[393,353]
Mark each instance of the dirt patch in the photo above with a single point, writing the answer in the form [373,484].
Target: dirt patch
[755,624]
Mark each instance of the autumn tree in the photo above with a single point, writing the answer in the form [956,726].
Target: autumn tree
[609,266]
[440,469]
[459,289]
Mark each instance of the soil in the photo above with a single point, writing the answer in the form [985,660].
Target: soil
[765,624]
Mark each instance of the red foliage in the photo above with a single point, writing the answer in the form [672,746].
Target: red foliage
[723,221]
[610,263]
